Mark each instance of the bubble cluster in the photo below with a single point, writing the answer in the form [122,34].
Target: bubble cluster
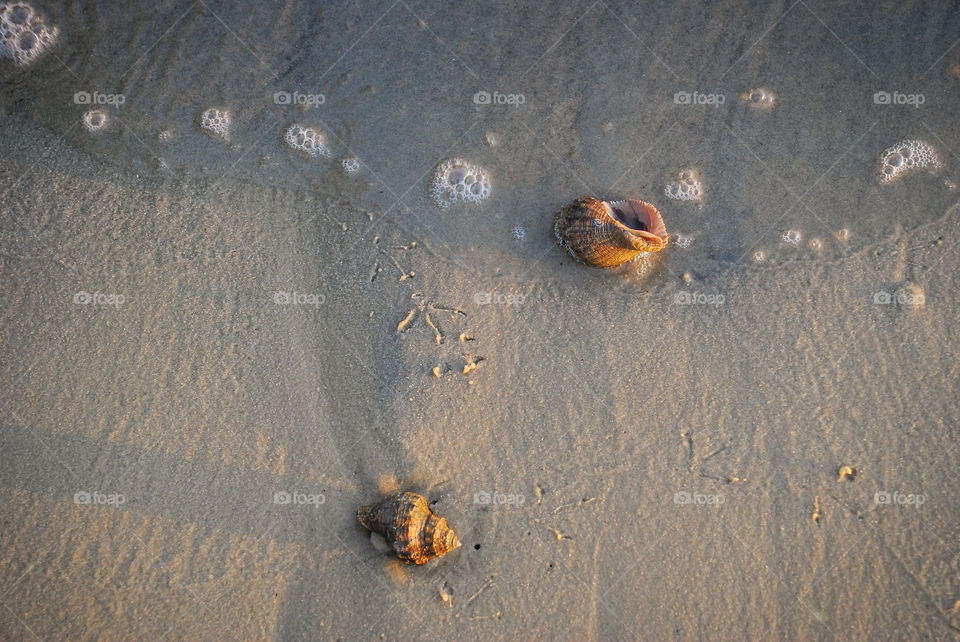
[905,156]
[642,263]
[307,140]
[456,179]
[843,234]
[24,34]
[758,256]
[792,237]
[760,97]
[216,122]
[519,233]
[350,165]
[681,240]
[95,120]
[815,244]
[686,187]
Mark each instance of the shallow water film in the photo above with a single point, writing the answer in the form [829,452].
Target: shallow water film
[262,264]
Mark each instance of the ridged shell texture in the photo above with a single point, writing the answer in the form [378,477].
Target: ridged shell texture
[608,233]
[410,527]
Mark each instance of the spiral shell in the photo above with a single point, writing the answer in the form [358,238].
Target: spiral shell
[608,233]
[412,530]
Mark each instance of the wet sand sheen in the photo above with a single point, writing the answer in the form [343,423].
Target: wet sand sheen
[266,394]
[247,344]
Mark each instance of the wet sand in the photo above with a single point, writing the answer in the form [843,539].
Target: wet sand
[186,346]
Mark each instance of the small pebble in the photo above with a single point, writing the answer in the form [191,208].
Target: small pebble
[379,542]
[846,473]
[445,596]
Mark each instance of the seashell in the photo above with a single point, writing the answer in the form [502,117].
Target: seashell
[412,530]
[608,233]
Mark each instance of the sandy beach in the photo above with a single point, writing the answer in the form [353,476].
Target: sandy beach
[215,348]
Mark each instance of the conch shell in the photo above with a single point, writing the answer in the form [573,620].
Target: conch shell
[608,233]
[410,527]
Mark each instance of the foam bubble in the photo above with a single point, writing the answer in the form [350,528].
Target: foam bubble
[843,234]
[681,240]
[642,263]
[350,165]
[216,122]
[792,237]
[686,187]
[456,179]
[760,97]
[815,244]
[24,34]
[96,120]
[906,156]
[759,256]
[307,140]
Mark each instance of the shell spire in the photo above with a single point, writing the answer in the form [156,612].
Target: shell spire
[410,527]
[608,233]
